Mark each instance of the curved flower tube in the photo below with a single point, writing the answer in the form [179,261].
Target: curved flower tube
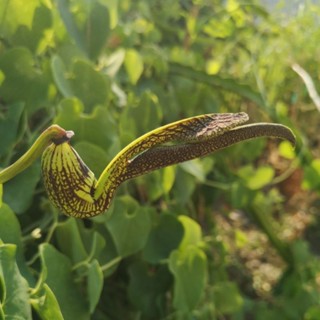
[73,188]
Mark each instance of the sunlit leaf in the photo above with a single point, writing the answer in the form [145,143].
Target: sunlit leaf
[261,177]
[189,269]
[286,150]
[192,233]
[168,178]
[134,65]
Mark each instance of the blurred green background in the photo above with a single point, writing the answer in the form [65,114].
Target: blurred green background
[230,236]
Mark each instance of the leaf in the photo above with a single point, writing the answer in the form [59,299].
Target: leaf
[163,238]
[15,14]
[89,85]
[68,20]
[217,82]
[168,178]
[129,225]
[147,288]
[261,177]
[60,77]
[227,297]
[10,232]
[46,304]
[195,168]
[23,82]
[286,150]
[32,37]
[57,269]
[19,191]
[1,193]
[97,29]
[134,65]
[256,178]
[188,267]
[97,127]
[192,233]
[95,284]
[69,240]
[94,156]
[219,29]
[9,125]
[14,295]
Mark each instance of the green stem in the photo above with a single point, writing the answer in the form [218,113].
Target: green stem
[53,133]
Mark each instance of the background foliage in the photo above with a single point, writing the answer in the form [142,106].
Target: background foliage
[230,236]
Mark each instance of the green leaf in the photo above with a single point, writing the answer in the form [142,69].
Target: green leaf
[195,168]
[69,240]
[1,193]
[129,225]
[19,192]
[97,127]
[59,277]
[313,313]
[23,82]
[183,187]
[168,178]
[94,156]
[95,284]
[218,82]
[227,297]
[147,288]
[258,178]
[15,13]
[10,232]
[134,65]
[138,119]
[70,24]
[32,37]
[163,238]
[14,297]
[192,233]
[9,126]
[219,29]
[97,29]
[261,177]
[312,175]
[189,269]
[60,77]
[89,85]
[46,305]
[286,150]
